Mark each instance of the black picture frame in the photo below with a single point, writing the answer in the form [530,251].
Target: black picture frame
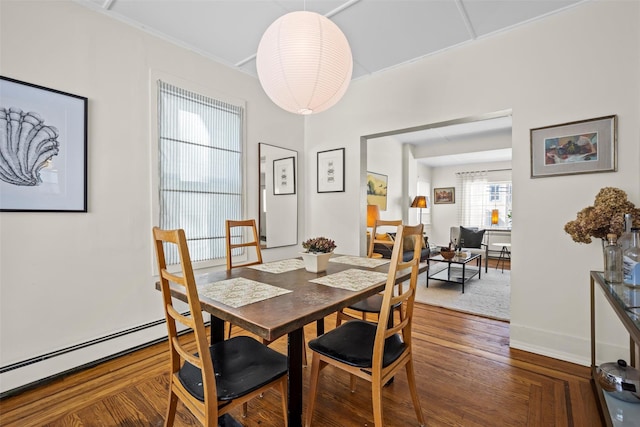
[43,139]
[284,176]
[331,171]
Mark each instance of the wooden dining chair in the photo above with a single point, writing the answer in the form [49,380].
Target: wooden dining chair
[235,232]
[235,240]
[374,351]
[230,225]
[216,378]
[373,303]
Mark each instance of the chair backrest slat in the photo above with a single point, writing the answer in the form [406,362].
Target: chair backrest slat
[374,232]
[407,297]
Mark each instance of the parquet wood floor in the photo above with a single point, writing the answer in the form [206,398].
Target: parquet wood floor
[466,373]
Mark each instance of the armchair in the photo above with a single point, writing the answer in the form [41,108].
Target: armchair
[471,240]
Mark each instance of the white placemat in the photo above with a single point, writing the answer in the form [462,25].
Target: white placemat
[352,279]
[240,291]
[281,266]
[360,261]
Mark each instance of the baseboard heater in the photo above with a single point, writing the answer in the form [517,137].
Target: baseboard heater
[46,356]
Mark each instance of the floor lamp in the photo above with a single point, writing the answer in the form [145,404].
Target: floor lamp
[421,202]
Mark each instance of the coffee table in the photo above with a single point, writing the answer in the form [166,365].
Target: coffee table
[454,270]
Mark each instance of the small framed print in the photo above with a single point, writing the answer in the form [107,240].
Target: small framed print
[43,141]
[585,146]
[331,171]
[444,195]
[284,176]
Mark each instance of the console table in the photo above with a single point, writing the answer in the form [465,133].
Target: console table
[622,299]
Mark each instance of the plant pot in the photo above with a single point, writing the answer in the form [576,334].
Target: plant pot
[316,262]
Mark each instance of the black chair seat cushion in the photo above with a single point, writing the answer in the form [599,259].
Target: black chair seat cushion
[372,304]
[241,365]
[352,343]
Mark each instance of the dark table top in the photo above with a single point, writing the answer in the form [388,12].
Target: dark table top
[308,302]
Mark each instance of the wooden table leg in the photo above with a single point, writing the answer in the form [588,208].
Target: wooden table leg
[319,327]
[294,350]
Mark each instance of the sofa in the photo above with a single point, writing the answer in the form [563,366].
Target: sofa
[385,249]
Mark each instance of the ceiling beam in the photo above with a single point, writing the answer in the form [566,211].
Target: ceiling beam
[465,18]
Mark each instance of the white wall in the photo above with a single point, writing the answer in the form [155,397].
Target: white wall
[578,64]
[385,157]
[67,278]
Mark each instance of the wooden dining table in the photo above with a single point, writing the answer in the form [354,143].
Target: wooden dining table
[304,302]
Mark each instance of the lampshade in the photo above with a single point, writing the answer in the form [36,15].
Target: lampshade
[420,202]
[304,62]
[373,214]
[494,216]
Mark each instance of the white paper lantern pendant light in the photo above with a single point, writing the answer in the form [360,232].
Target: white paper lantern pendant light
[304,62]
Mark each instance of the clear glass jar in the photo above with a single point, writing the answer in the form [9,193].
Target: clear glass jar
[631,260]
[612,261]
[624,241]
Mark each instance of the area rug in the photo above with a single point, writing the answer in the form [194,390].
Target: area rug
[488,296]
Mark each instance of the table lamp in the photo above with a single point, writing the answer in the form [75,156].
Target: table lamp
[373,214]
[494,216]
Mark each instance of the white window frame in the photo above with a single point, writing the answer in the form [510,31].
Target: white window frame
[482,214]
[154,76]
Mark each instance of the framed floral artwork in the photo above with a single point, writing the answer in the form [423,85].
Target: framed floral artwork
[444,195]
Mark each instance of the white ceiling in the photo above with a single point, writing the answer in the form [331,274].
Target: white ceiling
[382,34]
[496,128]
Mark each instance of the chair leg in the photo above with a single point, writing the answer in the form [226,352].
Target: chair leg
[244,410]
[171,409]
[313,389]
[304,349]
[376,401]
[283,394]
[411,379]
[352,383]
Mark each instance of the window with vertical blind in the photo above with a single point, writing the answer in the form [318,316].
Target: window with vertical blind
[480,192]
[200,168]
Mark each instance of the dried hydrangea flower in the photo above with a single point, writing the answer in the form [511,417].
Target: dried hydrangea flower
[604,217]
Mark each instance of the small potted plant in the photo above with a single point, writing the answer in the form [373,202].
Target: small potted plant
[317,252]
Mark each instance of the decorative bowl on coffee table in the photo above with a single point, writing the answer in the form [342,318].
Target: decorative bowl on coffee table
[447,254]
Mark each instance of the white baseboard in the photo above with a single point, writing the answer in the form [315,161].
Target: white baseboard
[562,347]
[57,363]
